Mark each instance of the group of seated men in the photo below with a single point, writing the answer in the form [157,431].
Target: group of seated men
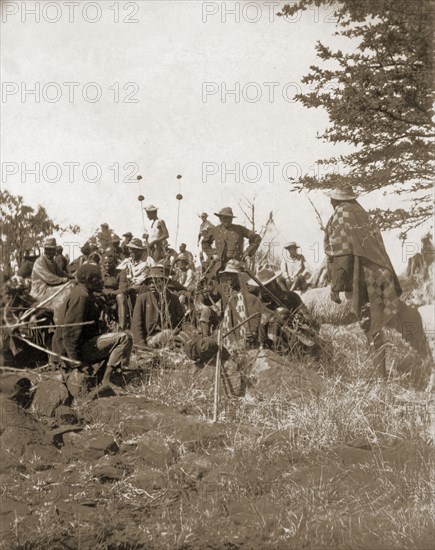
[157,297]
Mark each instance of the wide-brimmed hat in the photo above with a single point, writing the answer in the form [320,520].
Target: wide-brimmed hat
[128,234]
[49,242]
[156,272]
[136,243]
[291,244]
[150,208]
[233,266]
[227,211]
[342,193]
[265,275]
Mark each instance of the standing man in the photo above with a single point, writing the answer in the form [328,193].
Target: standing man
[104,237]
[124,245]
[46,274]
[88,343]
[158,234]
[187,254]
[228,239]
[358,263]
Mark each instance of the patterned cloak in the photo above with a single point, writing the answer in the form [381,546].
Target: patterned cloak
[350,232]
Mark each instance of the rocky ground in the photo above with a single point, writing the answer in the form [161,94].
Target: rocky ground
[307,456]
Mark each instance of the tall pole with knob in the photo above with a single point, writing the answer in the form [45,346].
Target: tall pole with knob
[179,198]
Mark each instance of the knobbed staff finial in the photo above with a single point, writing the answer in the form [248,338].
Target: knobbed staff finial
[179,198]
[141,198]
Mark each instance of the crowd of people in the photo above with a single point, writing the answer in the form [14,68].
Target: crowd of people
[141,292]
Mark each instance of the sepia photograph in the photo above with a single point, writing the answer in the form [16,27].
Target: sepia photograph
[217,275]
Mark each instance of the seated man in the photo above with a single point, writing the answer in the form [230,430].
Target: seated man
[134,270]
[46,274]
[87,343]
[293,268]
[185,276]
[238,305]
[111,281]
[157,312]
[286,324]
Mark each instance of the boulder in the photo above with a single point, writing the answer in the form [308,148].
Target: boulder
[96,447]
[154,450]
[149,480]
[324,310]
[271,373]
[79,383]
[23,440]
[66,415]
[49,395]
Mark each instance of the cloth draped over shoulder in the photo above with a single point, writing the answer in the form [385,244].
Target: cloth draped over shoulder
[350,232]
[46,274]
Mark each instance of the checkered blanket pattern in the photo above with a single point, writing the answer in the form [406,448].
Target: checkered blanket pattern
[337,238]
[235,313]
[381,289]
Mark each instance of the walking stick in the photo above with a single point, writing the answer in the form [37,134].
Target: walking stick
[217,377]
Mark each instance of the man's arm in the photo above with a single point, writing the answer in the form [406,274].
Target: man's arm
[72,336]
[254,242]
[207,241]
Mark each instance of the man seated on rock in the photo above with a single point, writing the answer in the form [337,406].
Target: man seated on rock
[111,283]
[47,276]
[184,275]
[294,268]
[286,324]
[81,336]
[238,305]
[157,312]
[134,270]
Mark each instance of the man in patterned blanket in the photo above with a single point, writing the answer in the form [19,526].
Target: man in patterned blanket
[359,264]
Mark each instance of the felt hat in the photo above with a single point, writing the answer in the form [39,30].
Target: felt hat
[128,234]
[49,242]
[156,272]
[291,244]
[150,208]
[136,243]
[265,275]
[115,238]
[226,211]
[342,193]
[233,266]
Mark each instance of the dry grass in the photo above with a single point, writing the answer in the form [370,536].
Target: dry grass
[296,492]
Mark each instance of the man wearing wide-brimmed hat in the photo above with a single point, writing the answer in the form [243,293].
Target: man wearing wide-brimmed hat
[238,305]
[358,263]
[134,270]
[281,326]
[293,267]
[158,234]
[46,273]
[157,311]
[228,239]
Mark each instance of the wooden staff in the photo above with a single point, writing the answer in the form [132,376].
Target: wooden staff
[73,361]
[38,306]
[217,377]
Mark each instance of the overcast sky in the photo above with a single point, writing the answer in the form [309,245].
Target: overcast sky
[163,112]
